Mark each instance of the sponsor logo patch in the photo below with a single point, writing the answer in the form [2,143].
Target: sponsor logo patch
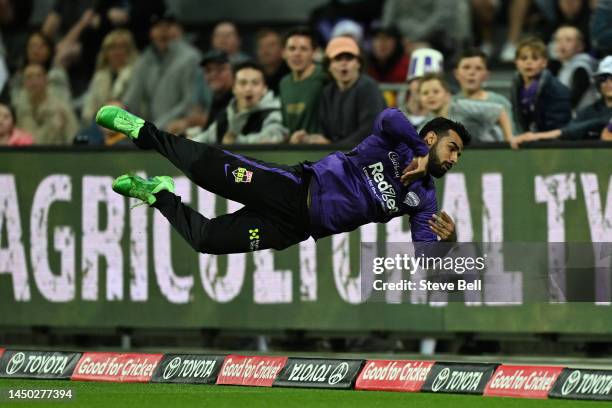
[242,175]
[394,157]
[254,239]
[381,188]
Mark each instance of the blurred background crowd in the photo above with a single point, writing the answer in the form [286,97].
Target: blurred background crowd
[305,72]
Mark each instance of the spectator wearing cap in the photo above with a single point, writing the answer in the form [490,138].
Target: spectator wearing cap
[270,57]
[161,87]
[253,115]
[576,66]
[300,90]
[591,122]
[422,62]
[351,102]
[220,80]
[226,38]
[387,59]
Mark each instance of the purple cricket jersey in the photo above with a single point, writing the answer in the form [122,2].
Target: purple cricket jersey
[363,186]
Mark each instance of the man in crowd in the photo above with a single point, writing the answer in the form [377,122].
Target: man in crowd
[161,88]
[225,38]
[253,116]
[300,90]
[270,56]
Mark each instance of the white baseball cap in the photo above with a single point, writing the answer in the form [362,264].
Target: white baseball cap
[424,61]
[605,66]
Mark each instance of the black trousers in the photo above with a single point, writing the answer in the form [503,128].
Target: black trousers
[275,212]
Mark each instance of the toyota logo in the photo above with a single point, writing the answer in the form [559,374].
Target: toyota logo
[172,368]
[15,363]
[571,382]
[441,379]
[338,374]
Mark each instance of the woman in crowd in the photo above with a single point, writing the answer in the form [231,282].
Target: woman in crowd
[49,119]
[113,71]
[41,50]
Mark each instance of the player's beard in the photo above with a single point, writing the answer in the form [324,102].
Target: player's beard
[434,166]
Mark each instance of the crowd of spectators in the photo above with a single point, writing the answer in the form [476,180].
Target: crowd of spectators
[320,83]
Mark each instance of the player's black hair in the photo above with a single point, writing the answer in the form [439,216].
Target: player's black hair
[440,126]
[302,31]
[249,65]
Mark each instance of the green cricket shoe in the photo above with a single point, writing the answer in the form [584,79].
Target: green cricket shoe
[119,120]
[131,185]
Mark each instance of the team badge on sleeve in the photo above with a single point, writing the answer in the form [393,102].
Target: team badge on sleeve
[412,199]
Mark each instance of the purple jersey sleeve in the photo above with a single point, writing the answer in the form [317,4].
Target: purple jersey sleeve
[393,124]
[419,226]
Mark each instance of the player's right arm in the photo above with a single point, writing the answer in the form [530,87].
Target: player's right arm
[392,124]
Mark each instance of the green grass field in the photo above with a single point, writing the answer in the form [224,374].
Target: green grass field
[116,395]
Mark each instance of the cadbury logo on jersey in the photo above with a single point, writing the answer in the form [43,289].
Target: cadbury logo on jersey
[384,187]
[394,157]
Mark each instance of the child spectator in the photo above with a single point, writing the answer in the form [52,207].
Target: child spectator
[589,121]
[471,72]
[479,117]
[114,68]
[9,134]
[422,61]
[300,90]
[270,57]
[49,119]
[576,66]
[253,116]
[350,103]
[388,62]
[539,101]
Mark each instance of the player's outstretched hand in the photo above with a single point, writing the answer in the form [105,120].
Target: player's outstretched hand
[444,226]
[415,170]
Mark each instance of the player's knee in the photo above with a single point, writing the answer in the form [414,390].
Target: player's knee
[210,243]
